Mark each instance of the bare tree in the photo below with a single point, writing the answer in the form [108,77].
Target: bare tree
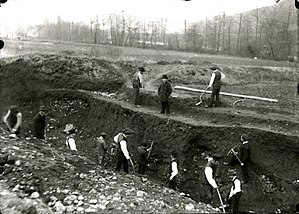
[230,22]
[239,33]
[223,31]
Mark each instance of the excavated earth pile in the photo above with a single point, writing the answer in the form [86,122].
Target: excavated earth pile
[50,179]
[93,95]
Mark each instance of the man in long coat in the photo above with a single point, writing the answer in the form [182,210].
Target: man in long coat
[164,92]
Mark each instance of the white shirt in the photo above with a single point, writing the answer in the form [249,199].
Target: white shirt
[123,146]
[213,78]
[19,121]
[140,77]
[174,169]
[237,188]
[71,143]
[209,176]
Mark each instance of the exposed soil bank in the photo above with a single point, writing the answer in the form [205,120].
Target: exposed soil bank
[274,157]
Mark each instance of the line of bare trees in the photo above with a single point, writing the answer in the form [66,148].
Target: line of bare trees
[268,32]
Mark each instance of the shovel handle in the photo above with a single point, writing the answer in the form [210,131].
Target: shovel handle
[221,202]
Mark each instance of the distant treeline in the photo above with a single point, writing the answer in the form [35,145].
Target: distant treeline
[269,33]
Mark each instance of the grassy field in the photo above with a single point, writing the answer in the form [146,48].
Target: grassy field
[15,47]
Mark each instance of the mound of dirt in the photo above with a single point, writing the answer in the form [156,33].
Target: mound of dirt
[51,179]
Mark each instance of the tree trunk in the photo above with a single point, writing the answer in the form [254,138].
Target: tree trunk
[223,33]
[239,33]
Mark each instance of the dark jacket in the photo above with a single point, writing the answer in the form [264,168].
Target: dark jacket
[101,146]
[39,126]
[245,152]
[164,91]
[141,155]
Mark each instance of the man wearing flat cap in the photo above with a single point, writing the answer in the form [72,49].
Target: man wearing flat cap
[164,92]
[215,83]
[137,84]
[121,139]
[245,157]
[40,123]
[101,148]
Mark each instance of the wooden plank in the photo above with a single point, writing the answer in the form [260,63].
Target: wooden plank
[227,94]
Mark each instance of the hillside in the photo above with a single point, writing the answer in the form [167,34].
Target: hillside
[51,179]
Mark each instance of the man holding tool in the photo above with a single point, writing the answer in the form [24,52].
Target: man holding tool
[215,83]
[243,157]
[143,156]
[209,175]
[122,153]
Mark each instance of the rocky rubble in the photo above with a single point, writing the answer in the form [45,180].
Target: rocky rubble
[52,180]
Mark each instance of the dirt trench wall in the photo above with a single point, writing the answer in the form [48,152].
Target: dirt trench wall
[274,166]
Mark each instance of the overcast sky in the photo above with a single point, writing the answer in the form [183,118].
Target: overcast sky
[16,13]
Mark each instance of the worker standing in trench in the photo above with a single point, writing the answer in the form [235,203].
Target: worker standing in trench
[122,152]
[245,157]
[102,148]
[39,123]
[242,157]
[235,193]
[209,176]
[13,121]
[173,170]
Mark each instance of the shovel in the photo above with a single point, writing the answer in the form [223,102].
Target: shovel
[200,98]
[150,149]
[221,202]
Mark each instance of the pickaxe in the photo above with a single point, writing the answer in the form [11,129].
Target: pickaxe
[232,150]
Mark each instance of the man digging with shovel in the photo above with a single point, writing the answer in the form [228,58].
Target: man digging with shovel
[209,175]
[122,153]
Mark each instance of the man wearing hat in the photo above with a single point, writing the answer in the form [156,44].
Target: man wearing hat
[39,123]
[215,83]
[137,84]
[121,139]
[245,157]
[101,148]
[209,175]
[235,193]
[164,92]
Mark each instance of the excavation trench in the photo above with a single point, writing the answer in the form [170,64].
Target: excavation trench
[274,157]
